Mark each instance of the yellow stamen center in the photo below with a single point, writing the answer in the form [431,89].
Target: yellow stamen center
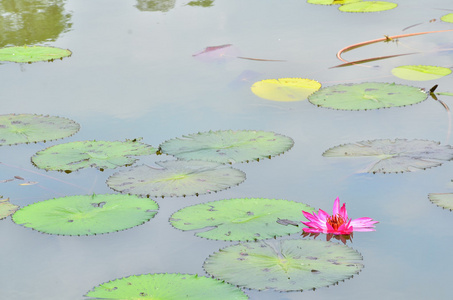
[336,221]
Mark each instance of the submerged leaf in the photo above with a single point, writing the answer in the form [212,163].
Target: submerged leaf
[367,6]
[86,214]
[166,286]
[286,265]
[29,128]
[240,219]
[399,155]
[285,89]
[228,146]
[420,73]
[29,54]
[444,200]
[99,154]
[217,53]
[176,178]
[369,95]
[6,208]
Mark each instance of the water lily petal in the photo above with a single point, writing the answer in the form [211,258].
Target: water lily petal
[343,212]
[322,215]
[336,206]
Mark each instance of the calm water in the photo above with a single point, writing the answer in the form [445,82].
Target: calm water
[132,75]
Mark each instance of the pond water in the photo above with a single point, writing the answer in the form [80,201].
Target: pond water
[132,74]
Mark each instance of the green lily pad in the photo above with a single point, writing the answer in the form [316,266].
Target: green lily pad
[29,128]
[166,286]
[332,2]
[240,219]
[6,208]
[370,95]
[444,200]
[286,265]
[447,18]
[29,54]
[367,6]
[228,146]
[399,155]
[73,156]
[86,214]
[420,73]
[176,178]
[285,89]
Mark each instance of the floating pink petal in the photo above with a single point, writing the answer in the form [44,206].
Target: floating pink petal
[337,223]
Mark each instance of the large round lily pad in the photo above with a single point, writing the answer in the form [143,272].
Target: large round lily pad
[444,200]
[166,286]
[29,54]
[285,89]
[367,6]
[420,73]
[287,265]
[176,178]
[6,208]
[240,219]
[369,95]
[30,128]
[228,146]
[399,155]
[86,214]
[72,156]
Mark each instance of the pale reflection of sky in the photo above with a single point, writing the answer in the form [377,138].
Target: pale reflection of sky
[132,75]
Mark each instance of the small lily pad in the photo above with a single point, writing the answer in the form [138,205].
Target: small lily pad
[285,89]
[367,6]
[6,208]
[86,214]
[228,146]
[447,18]
[166,286]
[420,73]
[29,54]
[176,178]
[240,219]
[73,156]
[399,155]
[29,128]
[286,265]
[369,95]
[444,200]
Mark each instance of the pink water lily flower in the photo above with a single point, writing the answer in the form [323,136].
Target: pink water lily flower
[338,222]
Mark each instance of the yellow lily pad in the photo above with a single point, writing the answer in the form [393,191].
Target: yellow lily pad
[420,73]
[285,89]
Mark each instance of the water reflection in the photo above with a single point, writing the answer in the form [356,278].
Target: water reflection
[344,238]
[29,22]
[155,5]
[203,3]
